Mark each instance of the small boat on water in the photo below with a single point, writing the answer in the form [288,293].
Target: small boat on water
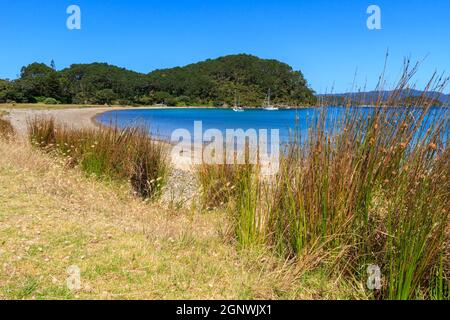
[269,106]
[236,107]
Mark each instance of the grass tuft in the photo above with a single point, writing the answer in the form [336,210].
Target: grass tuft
[112,153]
[7,131]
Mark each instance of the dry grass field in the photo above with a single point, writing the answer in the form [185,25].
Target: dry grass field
[52,218]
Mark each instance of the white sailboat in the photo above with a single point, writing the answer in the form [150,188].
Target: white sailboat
[236,107]
[269,106]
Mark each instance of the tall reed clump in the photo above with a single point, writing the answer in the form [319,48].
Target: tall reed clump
[366,186]
[233,186]
[374,197]
[107,152]
[148,164]
[416,224]
[7,131]
[245,213]
[217,183]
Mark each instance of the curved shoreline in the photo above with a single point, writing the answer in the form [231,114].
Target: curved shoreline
[80,118]
[77,118]
[73,117]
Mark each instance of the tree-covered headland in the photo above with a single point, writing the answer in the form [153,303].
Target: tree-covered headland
[216,82]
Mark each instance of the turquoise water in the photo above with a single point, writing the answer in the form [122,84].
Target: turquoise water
[162,122]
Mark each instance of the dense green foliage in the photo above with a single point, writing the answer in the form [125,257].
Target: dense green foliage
[212,82]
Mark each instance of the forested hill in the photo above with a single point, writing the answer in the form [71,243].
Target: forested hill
[211,82]
[245,76]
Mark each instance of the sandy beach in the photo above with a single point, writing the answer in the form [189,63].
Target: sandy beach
[77,118]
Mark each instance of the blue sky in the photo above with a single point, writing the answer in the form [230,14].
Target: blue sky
[327,40]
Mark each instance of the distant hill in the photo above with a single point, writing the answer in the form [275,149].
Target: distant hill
[212,82]
[371,97]
[245,76]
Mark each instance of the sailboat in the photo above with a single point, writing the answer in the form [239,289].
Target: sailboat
[269,106]
[236,107]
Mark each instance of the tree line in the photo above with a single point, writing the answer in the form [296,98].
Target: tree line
[216,82]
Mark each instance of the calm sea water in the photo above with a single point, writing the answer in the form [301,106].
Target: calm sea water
[162,122]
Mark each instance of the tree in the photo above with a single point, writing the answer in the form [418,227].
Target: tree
[8,93]
[105,96]
[38,79]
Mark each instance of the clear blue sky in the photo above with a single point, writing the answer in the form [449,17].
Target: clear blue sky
[328,40]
